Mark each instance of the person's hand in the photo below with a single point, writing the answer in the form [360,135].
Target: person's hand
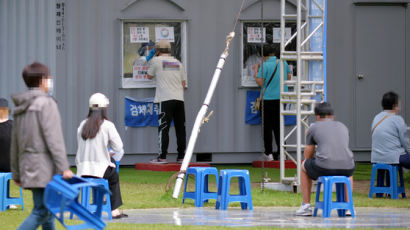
[17,182]
[67,174]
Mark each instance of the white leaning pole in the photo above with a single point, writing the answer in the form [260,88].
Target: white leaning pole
[200,118]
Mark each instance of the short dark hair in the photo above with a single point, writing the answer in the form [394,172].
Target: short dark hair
[33,73]
[323,109]
[267,50]
[390,99]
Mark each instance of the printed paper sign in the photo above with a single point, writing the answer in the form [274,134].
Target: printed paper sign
[140,70]
[139,34]
[254,35]
[164,33]
[276,34]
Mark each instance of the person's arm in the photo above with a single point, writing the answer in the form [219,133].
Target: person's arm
[310,146]
[309,151]
[257,75]
[403,135]
[115,142]
[288,74]
[151,69]
[183,75]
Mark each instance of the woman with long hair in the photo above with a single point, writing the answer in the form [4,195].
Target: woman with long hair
[95,136]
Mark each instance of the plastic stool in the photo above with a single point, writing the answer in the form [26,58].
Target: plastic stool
[6,200]
[117,163]
[86,197]
[62,196]
[244,196]
[201,193]
[327,205]
[391,187]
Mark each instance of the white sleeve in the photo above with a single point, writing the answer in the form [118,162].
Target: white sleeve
[115,142]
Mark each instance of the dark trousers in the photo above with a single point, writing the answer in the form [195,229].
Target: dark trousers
[114,184]
[168,111]
[271,113]
[404,160]
[113,179]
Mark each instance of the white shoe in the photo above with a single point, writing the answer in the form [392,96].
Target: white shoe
[348,213]
[265,157]
[12,206]
[304,210]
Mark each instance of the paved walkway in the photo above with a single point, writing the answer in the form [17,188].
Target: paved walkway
[273,217]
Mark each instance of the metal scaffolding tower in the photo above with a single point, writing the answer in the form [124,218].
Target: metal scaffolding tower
[309,84]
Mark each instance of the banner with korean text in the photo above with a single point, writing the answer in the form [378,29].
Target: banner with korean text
[253,116]
[140,113]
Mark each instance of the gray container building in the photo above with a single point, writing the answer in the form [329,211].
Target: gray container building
[84,44]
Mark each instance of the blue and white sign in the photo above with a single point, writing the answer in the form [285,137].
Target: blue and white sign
[253,116]
[140,113]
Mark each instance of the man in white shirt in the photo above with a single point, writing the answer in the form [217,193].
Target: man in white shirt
[169,94]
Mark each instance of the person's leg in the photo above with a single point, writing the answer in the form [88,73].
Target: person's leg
[164,122]
[306,185]
[267,126]
[179,122]
[404,161]
[114,184]
[39,215]
[276,126]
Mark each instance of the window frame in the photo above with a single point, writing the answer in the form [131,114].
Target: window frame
[184,59]
[252,84]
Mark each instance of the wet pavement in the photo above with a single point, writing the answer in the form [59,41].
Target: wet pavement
[271,216]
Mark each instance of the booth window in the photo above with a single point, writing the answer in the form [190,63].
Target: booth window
[251,46]
[136,34]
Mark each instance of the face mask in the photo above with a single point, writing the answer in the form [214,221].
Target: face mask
[50,86]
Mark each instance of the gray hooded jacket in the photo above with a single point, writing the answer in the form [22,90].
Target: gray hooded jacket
[37,147]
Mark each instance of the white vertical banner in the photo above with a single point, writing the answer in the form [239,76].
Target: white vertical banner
[255,35]
[164,33]
[139,34]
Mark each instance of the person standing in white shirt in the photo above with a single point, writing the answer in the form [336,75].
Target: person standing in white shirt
[94,136]
[169,94]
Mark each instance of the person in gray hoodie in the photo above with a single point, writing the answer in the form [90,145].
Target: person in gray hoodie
[37,147]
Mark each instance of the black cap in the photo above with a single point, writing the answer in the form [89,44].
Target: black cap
[4,103]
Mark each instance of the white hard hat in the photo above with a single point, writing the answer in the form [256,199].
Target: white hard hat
[99,100]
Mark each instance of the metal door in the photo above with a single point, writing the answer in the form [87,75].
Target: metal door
[380,62]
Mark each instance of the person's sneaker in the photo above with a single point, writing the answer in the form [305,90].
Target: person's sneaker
[348,213]
[179,161]
[304,210]
[265,157]
[158,161]
[12,206]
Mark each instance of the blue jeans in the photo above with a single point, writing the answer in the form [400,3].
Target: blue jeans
[40,214]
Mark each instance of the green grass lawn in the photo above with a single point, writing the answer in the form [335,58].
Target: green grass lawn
[147,189]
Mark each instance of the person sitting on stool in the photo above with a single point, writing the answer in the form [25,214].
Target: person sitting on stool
[326,153]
